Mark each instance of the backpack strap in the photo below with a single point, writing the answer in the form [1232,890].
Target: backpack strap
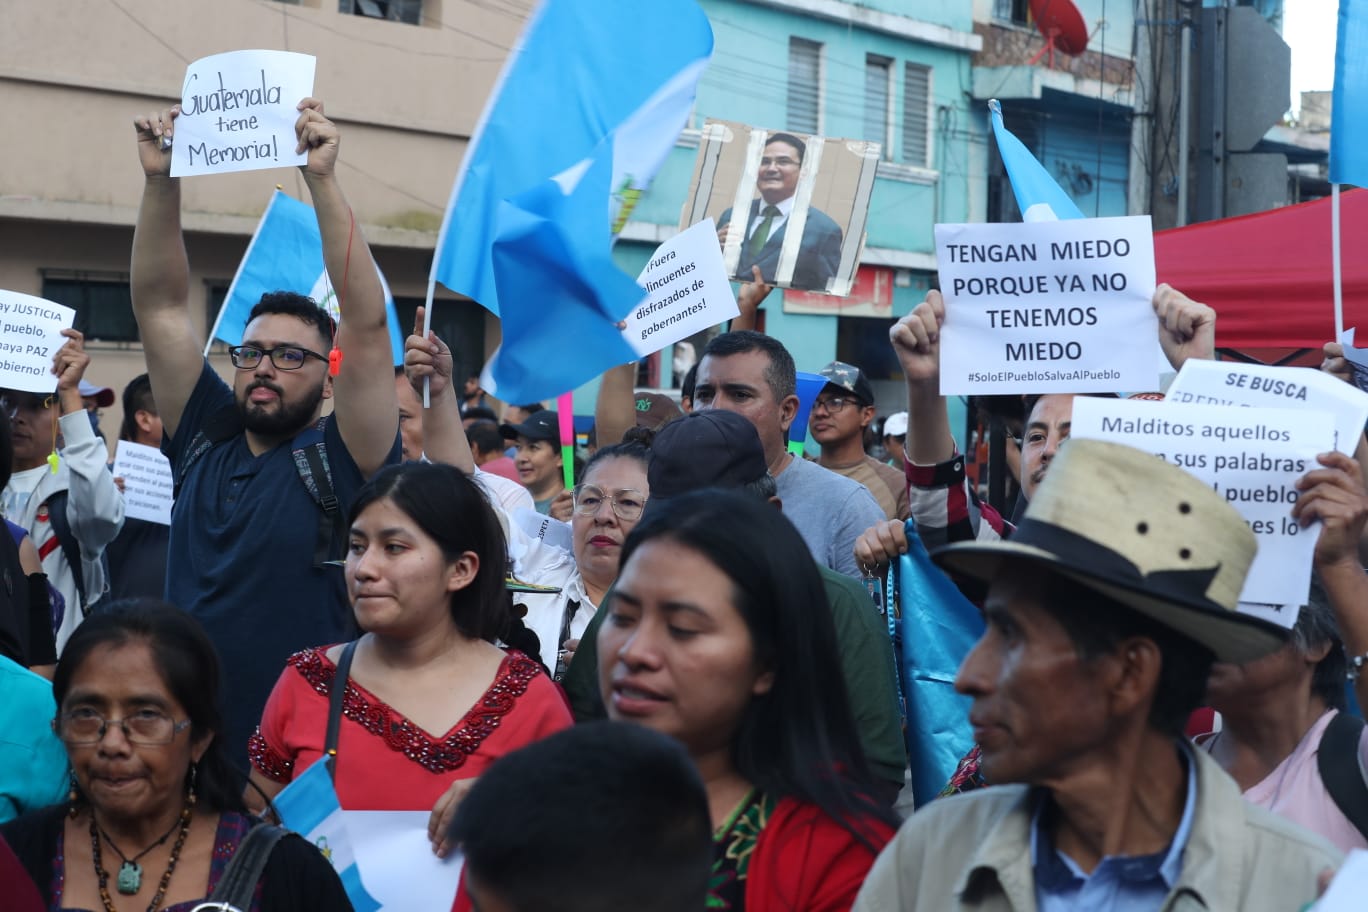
[339,687]
[311,461]
[71,548]
[225,424]
[237,887]
[1337,759]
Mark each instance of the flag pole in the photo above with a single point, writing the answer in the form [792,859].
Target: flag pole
[565,415]
[1335,258]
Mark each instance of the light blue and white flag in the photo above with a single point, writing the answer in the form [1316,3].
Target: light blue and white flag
[286,254]
[309,806]
[1038,196]
[1349,102]
[588,106]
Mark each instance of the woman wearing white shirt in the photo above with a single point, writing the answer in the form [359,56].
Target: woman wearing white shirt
[608,505]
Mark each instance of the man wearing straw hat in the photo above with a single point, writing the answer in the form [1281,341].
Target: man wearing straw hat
[1104,613]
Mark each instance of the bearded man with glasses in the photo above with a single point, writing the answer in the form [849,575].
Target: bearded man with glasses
[252,531]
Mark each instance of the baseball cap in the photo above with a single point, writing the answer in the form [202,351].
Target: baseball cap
[655,410]
[895,425]
[103,395]
[849,378]
[708,449]
[538,426]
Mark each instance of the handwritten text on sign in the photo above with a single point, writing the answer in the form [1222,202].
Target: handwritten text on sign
[1228,383]
[1048,307]
[30,334]
[687,291]
[1252,457]
[238,112]
[148,482]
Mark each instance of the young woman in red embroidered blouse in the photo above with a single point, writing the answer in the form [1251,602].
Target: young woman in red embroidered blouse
[430,701]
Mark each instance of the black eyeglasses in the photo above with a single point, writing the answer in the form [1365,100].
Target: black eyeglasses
[284,357]
[834,404]
[146,727]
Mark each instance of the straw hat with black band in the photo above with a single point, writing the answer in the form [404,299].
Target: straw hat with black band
[1143,533]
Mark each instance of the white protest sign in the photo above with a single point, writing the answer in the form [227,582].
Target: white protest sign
[238,112]
[1252,457]
[148,482]
[30,334]
[1350,885]
[1228,383]
[1048,307]
[688,291]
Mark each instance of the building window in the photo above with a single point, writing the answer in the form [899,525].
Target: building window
[878,72]
[460,324]
[916,124]
[410,11]
[103,303]
[1016,12]
[805,86]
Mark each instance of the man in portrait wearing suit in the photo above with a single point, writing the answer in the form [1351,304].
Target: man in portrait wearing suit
[819,255]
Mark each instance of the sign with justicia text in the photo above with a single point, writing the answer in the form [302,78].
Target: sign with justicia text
[1048,307]
[238,112]
[30,334]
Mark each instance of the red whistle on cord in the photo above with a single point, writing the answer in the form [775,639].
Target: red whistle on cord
[334,362]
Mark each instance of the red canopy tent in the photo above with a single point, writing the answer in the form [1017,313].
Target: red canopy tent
[1269,276]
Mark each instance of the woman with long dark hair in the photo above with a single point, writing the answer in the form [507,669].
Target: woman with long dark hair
[155,811]
[430,699]
[719,635]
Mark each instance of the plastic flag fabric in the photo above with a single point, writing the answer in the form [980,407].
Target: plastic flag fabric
[1038,196]
[588,106]
[286,254]
[938,628]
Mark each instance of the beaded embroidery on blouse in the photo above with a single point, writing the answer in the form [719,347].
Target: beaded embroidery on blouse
[441,755]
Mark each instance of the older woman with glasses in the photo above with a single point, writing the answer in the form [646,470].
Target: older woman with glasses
[607,505]
[155,811]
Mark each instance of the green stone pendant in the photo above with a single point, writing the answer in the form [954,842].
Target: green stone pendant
[130,878]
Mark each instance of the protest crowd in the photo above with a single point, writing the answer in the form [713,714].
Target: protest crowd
[397,628]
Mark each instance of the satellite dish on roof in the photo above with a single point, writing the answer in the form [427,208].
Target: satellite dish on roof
[1062,25]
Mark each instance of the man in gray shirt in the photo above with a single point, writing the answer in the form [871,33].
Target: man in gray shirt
[753,375]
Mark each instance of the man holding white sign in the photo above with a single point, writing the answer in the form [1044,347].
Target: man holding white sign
[252,531]
[942,501]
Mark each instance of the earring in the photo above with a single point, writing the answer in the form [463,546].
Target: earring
[73,795]
[190,792]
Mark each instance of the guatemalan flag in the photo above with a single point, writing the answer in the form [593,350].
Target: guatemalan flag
[1038,196]
[309,806]
[589,104]
[286,254]
[1349,103]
